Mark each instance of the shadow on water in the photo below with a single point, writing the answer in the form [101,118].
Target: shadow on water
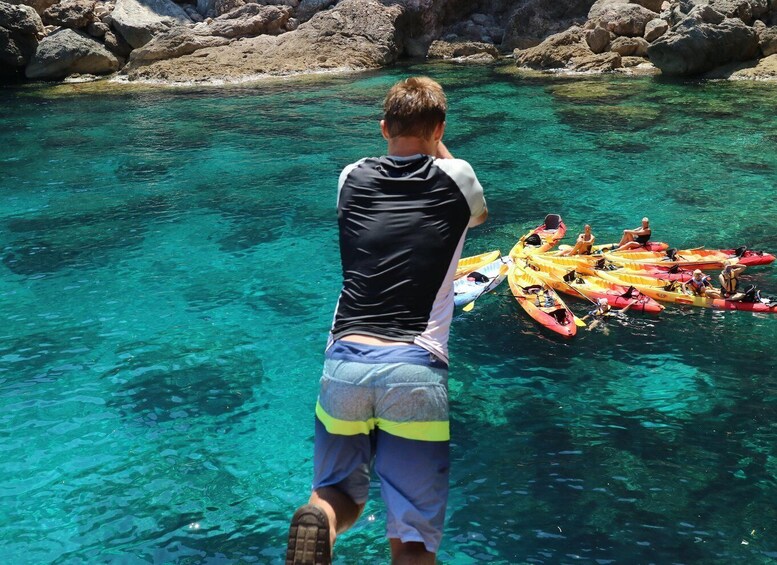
[82,241]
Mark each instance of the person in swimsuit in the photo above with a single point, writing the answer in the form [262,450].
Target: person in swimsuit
[583,245]
[383,395]
[729,280]
[635,238]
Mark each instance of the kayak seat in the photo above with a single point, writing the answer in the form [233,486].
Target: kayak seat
[552,221]
[533,239]
[532,289]
[560,315]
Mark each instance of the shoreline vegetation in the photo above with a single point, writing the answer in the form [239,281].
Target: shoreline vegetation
[221,42]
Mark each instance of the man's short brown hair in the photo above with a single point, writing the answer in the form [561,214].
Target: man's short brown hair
[414,107]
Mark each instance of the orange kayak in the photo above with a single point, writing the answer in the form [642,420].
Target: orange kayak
[541,302]
[541,239]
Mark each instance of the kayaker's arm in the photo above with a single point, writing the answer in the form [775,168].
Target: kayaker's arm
[443,153]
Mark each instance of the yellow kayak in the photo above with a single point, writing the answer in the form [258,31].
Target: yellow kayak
[468,264]
[671,291]
[593,288]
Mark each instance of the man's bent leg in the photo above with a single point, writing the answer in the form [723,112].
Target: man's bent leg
[340,509]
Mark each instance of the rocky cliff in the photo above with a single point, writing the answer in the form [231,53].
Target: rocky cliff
[211,40]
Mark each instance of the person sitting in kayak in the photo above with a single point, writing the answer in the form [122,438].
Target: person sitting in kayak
[585,241]
[700,285]
[729,280]
[635,238]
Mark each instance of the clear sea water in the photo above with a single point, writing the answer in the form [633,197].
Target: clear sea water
[169,270]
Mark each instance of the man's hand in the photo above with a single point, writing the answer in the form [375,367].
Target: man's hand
[442,151]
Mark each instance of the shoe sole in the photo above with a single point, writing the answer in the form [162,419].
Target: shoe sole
[309,538]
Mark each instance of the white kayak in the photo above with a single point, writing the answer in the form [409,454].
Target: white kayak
[477,283]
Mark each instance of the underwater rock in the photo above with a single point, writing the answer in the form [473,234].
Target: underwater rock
[68,51]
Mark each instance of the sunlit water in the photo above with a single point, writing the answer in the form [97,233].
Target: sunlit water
[169,270]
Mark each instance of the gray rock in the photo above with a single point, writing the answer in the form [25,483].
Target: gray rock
[630,46]
[655,29]
[76,14]
[67,52]
[222,7]
[694,46]
[39,6]
[535,20]
[116,44]
[624,19]
[555,52]
[767,38]
[456,50]
[707,14]
[746,10]
[97,29]
[176,42]
[598,39]
[206,7]
[192,12]
[356,34]
[249,21]
[140,20]
[308,8]
[20,30]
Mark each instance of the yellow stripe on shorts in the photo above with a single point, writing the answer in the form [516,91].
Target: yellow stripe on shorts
[420,431]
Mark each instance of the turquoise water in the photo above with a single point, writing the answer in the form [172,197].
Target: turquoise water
[169,270]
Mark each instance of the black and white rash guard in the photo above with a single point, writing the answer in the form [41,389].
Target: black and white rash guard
[402,225]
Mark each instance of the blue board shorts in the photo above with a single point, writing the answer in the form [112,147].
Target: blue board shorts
[388,404]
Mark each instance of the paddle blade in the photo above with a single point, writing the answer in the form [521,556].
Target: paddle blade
[579,323]
[504,269]
[469,306]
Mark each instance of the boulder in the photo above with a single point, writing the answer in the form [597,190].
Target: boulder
[20,30]
[655,29]
[535,20]
[460,49]
[556,51]
[695,46]
[222,7]
[765,69]
[356,34]
[76,14]
[623,19]
[39,6]
[598,39]
[67,52]
[630,46]
[746,10]
[767,38]
[206,8]
[140,20]
[117,45]
[596,63]
[175,42]
[97,29]
[308,8]
[192,12]
[248,21]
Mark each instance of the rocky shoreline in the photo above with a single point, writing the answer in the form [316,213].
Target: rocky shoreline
[223,41]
